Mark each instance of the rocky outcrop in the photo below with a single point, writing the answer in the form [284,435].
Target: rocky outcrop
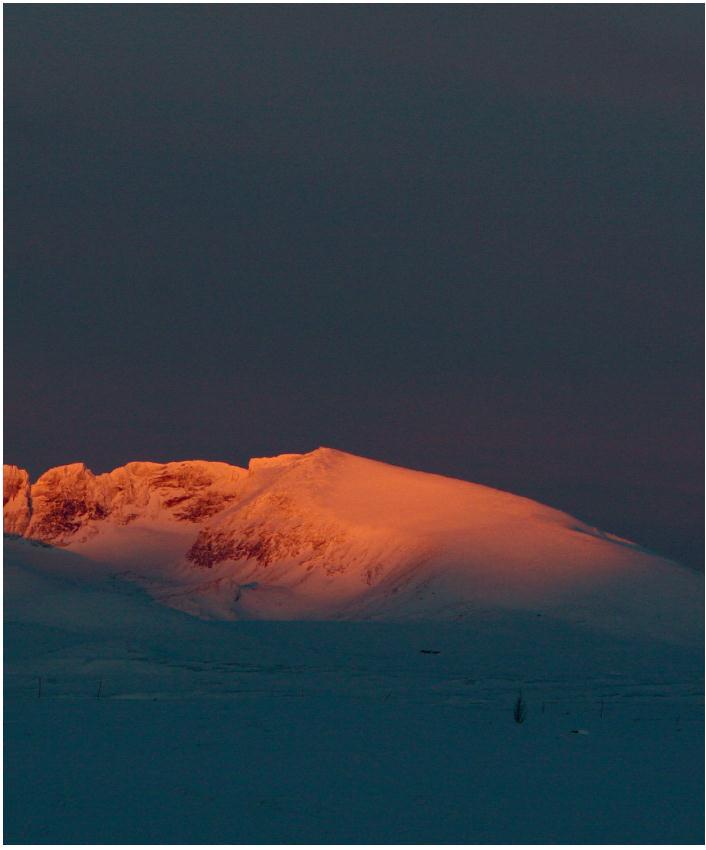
[272,528]
[67,503]
[65,500]
[15,499]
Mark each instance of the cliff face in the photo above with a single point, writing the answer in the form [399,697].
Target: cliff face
[67,504]
[15,500]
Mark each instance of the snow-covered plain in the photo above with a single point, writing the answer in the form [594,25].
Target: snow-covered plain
[130,722]
[361,635]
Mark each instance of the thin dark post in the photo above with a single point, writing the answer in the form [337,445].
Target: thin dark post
[100,689]
[601,709]
[519,712]
[39,687]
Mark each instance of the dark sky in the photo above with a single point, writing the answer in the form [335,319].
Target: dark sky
[466,239]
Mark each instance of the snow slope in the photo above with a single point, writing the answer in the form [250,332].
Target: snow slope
[328,535]
[129,722]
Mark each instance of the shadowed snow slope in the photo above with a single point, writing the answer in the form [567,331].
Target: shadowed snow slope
[328,535]
[129,722]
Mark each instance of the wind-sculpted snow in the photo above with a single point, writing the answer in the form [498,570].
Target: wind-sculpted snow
[328,535]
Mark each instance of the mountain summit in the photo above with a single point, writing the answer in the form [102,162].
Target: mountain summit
[328,535]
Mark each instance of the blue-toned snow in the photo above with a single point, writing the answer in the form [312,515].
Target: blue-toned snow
[126,722]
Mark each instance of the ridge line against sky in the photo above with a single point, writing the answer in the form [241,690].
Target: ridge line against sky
[465,239]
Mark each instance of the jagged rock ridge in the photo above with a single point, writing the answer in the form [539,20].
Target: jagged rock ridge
[66,503]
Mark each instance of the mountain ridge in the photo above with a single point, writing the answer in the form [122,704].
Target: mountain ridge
[330,535]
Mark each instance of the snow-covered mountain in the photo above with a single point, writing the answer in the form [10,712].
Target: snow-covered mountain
[328,535]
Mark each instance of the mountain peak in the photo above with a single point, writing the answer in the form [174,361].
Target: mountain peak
[329,534]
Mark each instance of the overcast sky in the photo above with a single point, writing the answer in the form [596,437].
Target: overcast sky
[465,239]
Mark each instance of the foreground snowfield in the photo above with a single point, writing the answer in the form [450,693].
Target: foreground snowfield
[337,768]
[128,721]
